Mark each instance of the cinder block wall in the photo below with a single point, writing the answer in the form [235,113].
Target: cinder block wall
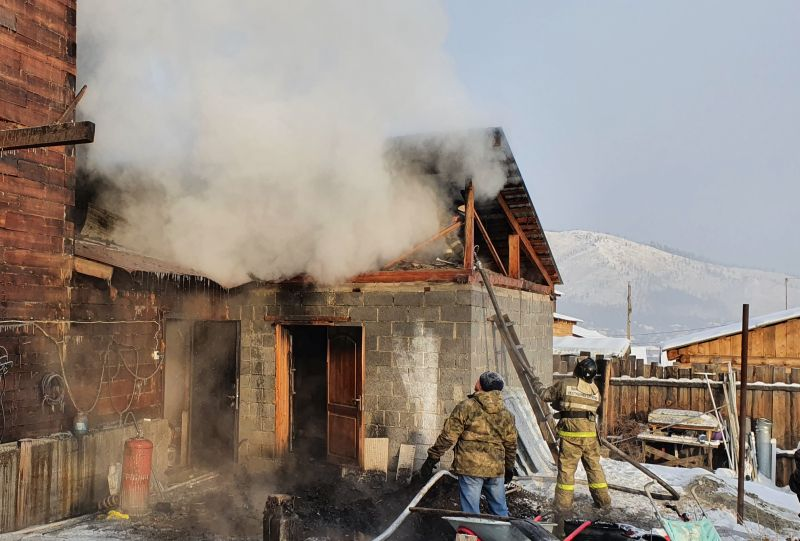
[532,316]
[423,350]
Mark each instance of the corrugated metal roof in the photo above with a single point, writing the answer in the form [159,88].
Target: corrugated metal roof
[705,335]
[533,455]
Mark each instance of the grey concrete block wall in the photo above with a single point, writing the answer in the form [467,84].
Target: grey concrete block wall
[424,346]
[532,316]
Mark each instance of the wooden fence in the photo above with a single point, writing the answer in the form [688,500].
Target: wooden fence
[48,479]
[635,388]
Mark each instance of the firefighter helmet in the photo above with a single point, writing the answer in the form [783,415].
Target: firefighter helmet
[586,370]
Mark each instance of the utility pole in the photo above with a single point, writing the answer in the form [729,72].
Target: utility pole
[742,414]
[630,309]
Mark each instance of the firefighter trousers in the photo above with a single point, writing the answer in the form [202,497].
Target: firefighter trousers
[585,449]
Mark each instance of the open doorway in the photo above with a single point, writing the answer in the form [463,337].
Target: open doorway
[319,385]
[200,391]
[309,386]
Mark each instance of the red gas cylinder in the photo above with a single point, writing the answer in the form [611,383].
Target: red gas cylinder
[136,465]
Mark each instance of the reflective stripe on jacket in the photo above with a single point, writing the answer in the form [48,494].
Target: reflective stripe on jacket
[574,394]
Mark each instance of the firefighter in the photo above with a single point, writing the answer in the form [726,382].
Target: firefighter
[577,400]
[485,439]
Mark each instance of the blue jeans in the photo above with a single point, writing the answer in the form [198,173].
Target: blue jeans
[470,489]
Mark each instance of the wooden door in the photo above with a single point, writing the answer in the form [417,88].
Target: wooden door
[345,386]
[283,396]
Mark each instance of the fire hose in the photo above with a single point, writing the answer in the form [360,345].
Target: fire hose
[407,511]
[526,374]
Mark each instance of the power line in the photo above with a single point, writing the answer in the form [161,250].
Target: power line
[671,332]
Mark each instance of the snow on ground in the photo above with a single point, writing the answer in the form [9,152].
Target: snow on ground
[765,505]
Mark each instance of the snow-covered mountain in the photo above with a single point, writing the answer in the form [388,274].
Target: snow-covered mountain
[670,292]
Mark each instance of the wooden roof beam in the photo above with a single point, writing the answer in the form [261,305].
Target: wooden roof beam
[443,233]
[524,239]
[488,239]
[47,136]
[469,228]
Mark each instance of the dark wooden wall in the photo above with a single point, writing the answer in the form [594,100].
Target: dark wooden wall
[115,329]
[37,82]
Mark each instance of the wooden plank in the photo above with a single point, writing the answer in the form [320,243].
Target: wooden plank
[47,136]
[781,405]
[469,228]
[780,340]
[9,462]
[489,243]
[513,283]
[658,397]
[793,338]
[608,415]
[524,239]
[71,107]
[684,401]
[627,402]
[795,410]
[92,268]
[513,256]
[768,343]
[761,402]
[722,360]
[282,403]
[643,406]
[454,275]
[442,233]
[756,343]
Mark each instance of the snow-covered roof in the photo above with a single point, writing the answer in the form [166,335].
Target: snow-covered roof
[733,328]
[647,353]
[583,332]
[606,346]
[562,317]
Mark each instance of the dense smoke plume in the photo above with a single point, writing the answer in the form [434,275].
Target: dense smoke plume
[250,136]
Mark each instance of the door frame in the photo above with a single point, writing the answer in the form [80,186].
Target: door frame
[283,382]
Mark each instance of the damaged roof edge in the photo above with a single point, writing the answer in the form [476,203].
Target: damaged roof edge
[129,261]
[547,258]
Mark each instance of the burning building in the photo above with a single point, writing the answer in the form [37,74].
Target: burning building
[95,333]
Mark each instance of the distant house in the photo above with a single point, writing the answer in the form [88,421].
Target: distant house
[564,325]
[774,339]
[572,339]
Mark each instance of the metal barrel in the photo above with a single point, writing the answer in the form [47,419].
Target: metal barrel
[136,465]
[763,447]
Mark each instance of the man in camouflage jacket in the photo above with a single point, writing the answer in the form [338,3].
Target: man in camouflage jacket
[485,439]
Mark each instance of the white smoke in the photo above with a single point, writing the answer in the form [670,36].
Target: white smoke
[263,125]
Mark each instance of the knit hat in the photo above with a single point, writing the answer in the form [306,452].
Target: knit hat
[491,381]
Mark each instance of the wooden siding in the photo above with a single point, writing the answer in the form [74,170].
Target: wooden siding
[562,328]
[776,345]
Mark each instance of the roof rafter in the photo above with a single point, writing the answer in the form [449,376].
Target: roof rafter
[524,239]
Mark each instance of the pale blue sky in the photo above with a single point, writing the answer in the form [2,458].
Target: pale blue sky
[676,121]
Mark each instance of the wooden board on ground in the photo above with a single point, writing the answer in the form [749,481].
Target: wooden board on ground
[376,454]
[405,462]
